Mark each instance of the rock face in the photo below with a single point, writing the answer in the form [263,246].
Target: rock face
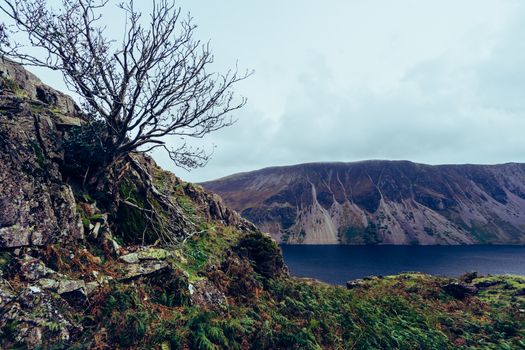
[382,202]
[36,208]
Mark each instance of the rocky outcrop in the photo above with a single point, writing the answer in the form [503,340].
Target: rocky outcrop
[62,255]
[459,290]
[36,207]
[358,283]
[382,202]
[37,314]
[206,295]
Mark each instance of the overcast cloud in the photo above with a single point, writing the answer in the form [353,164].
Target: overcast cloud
[428,81]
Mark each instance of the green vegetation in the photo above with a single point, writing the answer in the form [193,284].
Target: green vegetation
[401,312]
[12,86]
[226,287]
[263,308]
[367,235]
[132,223]
[85,149]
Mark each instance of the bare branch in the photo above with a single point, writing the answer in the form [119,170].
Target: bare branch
[152,84]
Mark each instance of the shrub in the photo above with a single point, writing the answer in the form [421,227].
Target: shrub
[263,254]
[85,149]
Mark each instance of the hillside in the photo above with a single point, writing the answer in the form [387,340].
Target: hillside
[382,202]
[75,274]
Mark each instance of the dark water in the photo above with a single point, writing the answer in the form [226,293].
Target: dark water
[337,264]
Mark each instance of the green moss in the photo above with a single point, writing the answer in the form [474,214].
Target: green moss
[9,84]
[37,108]
[87,198]
[208,247]
[96,217]
[5,259]
[83,216]
[188,207]
[132,222]
[39,153]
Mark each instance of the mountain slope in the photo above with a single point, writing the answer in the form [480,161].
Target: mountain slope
[385,202]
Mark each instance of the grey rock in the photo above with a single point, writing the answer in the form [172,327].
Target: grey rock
[68,286]
[32,269]
[36,91]
[91,287]
[74,292]
[6,293]
[109,243]
[469,277]
[459,290]
[131,258]
[206,295]
[34,311]
[95,230]
[357,283]
[143,269]
[36,208]
[49,283]
[149,253]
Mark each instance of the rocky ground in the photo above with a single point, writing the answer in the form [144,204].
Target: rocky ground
[74,275]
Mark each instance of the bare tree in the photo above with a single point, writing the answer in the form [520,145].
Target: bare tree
[151,85]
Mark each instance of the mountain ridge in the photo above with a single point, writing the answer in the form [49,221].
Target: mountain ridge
[382,202]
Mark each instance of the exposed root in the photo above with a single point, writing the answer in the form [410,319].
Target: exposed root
[164,217]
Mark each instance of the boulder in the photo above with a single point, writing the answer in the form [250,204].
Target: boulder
[459,290]
[357,283]
[25,83]
[37,317]
[49,283]
[6,293]
[206,295]
[73,291]
[32,269]
[215,209]
[146,268]
[67,286]
[469,277]
[132,258]
[149,253]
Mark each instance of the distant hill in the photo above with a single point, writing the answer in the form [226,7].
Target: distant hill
[382,202]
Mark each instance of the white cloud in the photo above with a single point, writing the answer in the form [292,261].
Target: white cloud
[428,81]
[439,84]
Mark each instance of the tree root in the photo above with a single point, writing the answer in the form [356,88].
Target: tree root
[165,218]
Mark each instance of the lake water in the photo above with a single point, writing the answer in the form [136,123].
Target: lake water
[337,264]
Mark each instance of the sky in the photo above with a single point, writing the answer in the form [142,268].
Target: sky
[344,80]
